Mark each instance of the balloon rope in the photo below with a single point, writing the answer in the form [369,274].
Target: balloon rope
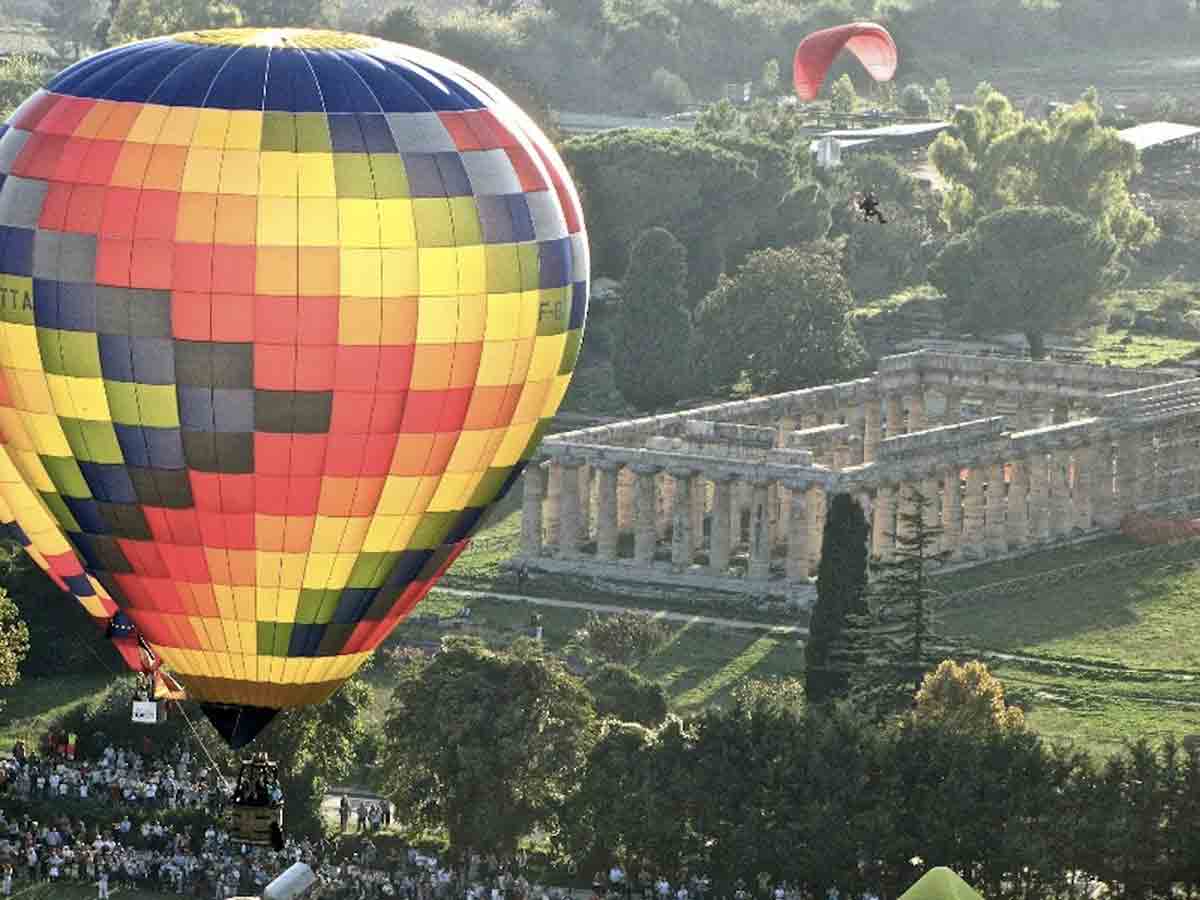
[199,740]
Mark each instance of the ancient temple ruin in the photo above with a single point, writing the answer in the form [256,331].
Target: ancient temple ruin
[1016,456]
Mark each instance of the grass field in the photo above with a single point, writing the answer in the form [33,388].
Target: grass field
[1131,620]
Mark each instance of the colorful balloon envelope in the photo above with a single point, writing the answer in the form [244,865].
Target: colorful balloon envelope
[871,44]
[283,313]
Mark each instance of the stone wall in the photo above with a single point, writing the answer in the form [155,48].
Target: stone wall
[1015,456]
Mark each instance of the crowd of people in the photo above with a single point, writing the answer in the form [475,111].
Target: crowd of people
[131,845]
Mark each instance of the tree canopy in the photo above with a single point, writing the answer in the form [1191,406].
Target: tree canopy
[782,322]
[1032,269]
[966,698]
[485,744]
[652,323]
[995,158]
[135,19]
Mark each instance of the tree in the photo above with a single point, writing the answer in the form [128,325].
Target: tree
[967,699]
[621,693]
[994,158]
[71,25]
[914,101]
[485,744]
[284,13]
[941,101]
[782,322]
[133,19]
[842,96]
[14,642]
[770,77]
[653,323]
[317,746]
[20,76]
[1031,268]
[623,638]
[887,651]
[403,25]
[841,586]
[635,179]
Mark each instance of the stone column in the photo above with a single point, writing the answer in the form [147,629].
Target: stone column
[814,503]
[1128,447]
[797,534]
[722,517]
[1104,500]
[682,545]
[916,411]
[952,512]
[1017,523]
[665,504]
[550,507]
[585,503]
[626,487]
[1083,490]
[645,538]
[569,510]
[973,546]
[1039,498]
[895,415]
[883,524]
[841,457]
[1062,517]
[533,490]
[760,534]
[607,531]
[855,425]
[699,508]
[997,539]
[871,423]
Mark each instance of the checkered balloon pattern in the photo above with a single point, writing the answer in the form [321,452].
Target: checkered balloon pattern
[282,313]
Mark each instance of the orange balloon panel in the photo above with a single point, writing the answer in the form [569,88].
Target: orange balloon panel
[282,313]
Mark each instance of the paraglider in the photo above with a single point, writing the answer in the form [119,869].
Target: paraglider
[282,314]
[870,43]
[868,205]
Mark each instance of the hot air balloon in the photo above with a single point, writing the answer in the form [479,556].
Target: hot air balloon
[869,42]
[283,312]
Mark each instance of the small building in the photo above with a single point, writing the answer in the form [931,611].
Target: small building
[1157,140]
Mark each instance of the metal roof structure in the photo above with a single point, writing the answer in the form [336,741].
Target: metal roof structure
[1157,134]
[909,130]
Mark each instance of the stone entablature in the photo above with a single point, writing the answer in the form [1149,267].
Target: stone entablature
[732,495]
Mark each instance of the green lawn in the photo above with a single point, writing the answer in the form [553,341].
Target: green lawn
[697,666]
[35,701]
[1141,350]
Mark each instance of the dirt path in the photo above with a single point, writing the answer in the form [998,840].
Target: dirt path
[665,615]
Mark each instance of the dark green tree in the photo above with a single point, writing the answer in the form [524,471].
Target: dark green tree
[635,179]
[284,13]
[133,19]
[403,24]
[621,693]
[782,322]
[902,596]
[1034,268]
[653,324]
[485,744]
[71,25]
[625,638]
[841,591]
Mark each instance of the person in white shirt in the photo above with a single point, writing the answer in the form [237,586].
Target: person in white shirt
[102,884]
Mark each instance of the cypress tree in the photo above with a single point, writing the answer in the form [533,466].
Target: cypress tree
[841,592]
[653,327]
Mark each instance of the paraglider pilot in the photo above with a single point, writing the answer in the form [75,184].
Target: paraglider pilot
[869,204]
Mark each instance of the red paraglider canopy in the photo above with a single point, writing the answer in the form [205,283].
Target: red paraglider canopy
[871,43]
